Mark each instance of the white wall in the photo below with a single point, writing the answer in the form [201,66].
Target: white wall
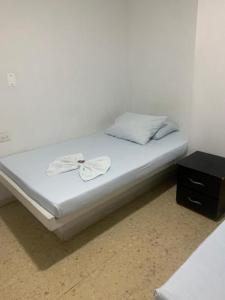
[162,56]
[70,59]
[208,120]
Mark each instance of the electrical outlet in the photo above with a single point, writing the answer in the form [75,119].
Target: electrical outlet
[4,137]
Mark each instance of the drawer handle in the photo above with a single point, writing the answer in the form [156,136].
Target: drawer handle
[196,182]
[194,201]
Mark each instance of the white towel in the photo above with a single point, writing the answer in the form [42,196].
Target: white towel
[88,169]
[94,167]
[64,164]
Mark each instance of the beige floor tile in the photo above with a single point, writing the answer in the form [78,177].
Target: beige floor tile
[124,256]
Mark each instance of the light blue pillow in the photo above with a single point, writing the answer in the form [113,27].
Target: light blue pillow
[168,128]
[137,128]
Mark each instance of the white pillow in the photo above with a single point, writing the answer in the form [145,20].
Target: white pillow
[168,128]
[136,127]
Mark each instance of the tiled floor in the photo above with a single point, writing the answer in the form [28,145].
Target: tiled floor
[125,256]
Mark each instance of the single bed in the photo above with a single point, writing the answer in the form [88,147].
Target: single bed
[59,200]
[202,276]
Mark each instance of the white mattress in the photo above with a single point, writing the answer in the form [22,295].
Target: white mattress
[202,276]
[66,193]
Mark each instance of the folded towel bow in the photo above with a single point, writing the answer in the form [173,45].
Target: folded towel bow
[88,170]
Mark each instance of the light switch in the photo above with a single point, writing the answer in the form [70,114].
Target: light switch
[11,77]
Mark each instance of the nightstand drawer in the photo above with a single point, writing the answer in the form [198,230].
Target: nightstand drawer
[199,182]
[197,201]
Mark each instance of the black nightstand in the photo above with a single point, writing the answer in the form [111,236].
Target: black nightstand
[201,184]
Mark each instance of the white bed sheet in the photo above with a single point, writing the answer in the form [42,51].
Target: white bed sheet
[66,193]
[202,276]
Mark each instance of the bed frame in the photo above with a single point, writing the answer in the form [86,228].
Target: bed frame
[69,225]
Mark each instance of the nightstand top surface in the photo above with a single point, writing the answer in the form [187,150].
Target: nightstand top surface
[206,163]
